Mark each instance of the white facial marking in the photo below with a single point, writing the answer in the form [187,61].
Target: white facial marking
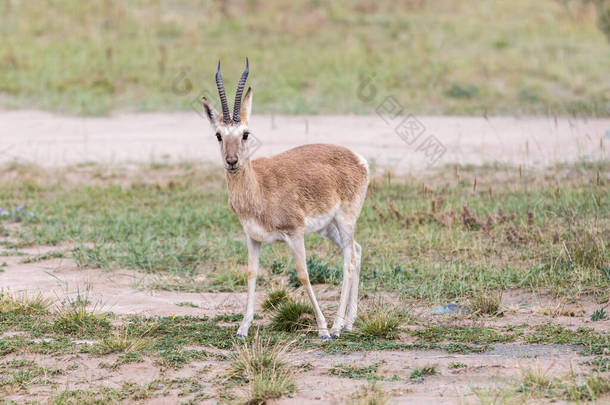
[230,130]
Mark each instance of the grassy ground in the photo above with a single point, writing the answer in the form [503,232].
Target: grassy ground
[442,236]
[307,56]
[455,233]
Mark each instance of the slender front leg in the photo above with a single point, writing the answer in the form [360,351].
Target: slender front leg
[254,248]
[297,245]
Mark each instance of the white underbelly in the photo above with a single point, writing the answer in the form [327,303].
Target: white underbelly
[312,224]
[315,224]
[257,232]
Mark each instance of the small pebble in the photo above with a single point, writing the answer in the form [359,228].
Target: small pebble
[449,309]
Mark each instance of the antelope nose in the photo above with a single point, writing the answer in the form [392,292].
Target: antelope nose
[232,161]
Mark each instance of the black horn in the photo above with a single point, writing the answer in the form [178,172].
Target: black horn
[223,97]
[240,90]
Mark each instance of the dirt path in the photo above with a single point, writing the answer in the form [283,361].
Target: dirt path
[122,292]
[53,140]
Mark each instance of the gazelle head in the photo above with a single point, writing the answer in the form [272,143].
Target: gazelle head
[231,132]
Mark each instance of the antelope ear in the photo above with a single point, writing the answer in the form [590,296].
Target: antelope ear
[210,112]
[246,106]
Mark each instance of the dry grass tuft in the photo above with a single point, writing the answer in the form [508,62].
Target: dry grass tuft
[496,396]
[573,387]
[24,304]
[559,308]
[262,364]
[77,319]
[535,382]
[381,321]
[121,342]
[276,299]
[269,385]
[486,303]
[370,394]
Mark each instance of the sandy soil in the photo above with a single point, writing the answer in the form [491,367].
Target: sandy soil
[127,292]
[53,140]
[449,386]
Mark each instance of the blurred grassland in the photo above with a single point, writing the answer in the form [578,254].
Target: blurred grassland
[441,56]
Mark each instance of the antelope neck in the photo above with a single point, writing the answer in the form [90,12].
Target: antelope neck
[244,188]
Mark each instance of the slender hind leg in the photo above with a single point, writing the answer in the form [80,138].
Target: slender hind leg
[331,232]
[352,308]
[339,322]
[346,235]
[343,321]
[297,245]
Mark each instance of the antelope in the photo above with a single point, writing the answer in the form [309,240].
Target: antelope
[312,188]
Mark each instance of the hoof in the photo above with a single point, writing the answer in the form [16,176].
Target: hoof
[334,335]
[325,337]
[240,336]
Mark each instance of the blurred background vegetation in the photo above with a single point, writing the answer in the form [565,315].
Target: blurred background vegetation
[308,56]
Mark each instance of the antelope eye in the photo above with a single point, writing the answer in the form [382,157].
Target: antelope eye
[245,135]
[218,136]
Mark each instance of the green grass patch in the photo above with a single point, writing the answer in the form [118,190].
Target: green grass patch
[422,372]
[21,374]
[179,358]
[294,316]
[599,364]
[123,358]
[355,342]
[171,332]
[129,391]
[474,335]
[187,304]
[122,341]
[56,254]
[319,273]
[81,322]
[351,371]
[593,342]
[599,315]
[417,241]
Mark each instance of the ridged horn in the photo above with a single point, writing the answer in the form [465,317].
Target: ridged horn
[226,118]
[240,90]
